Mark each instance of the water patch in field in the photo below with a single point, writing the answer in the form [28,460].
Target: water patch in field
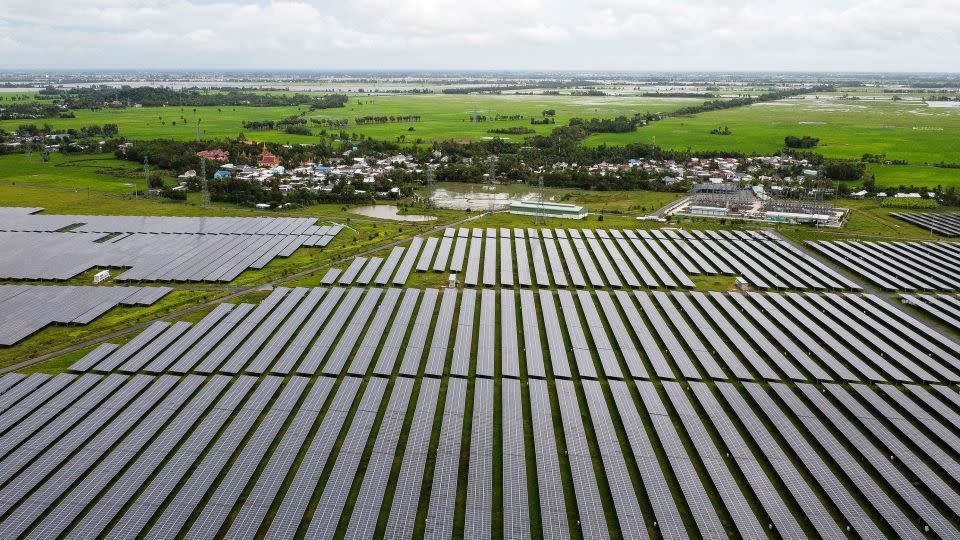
[389,211]
[477,200]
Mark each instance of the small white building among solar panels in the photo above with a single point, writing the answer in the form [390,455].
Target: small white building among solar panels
[548,209]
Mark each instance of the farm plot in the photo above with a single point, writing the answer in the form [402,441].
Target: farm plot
[610,258]
[898,266]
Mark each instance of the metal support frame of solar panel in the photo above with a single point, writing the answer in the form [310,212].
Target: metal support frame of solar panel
[124,453]
[720,348]
[694,492]
[668,519]
[806,499]
[410,364]
[942,224]
[336,490]
[540,272]
[366,509]
[733,498]
[463,341]
[409,259]
[553,258]
[388,267]
[589,268]
[471,275]
[515,501]
[406,497]
[241,331]
[903,454]
[23,477]
[112,502]
[802,335]
[490,258]
[598,333]
[302,339]
[140,419]
[578,340]
[44,424]
[821,331]
[350,334]
[374,331]
[443,493]
[325,340]
[890,348]
[532,347]
[479,504]
[592,522]
[426,256]
[196,485]
[443,252]
[437,355]
[161,362]
[686,333]
[629,515]
[304,482]
[154,348]
[369,271]
[852,465]
[553,512]
[569,259]
[459,250]
[486,333]
[524,278]
[229,490]
[258,502]
[237,360]
[556,347]
[282,335]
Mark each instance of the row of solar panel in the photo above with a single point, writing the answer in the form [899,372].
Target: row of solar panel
[693,335]
[944,307]
[600,258]
[151,257]
[203,457]
[25,309]
[28,220]
[898,266]
[942,224]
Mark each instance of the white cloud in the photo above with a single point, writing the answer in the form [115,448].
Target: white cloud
[866,35]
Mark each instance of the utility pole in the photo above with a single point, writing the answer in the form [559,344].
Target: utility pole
[146,175]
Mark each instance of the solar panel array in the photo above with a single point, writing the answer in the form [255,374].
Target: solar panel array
[898,266]
[943,307]
[59,247]
[203,456]
[947,224]
[591,335]
[25,309]
[610,258]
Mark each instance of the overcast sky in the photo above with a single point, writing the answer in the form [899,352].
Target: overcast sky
[797,35]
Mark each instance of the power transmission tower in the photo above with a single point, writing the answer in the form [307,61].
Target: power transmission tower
[492,181]
[146,175]
[541,218]
[428,203]
[29,143]
[204,187]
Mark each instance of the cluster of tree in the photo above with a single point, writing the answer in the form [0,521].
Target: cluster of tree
[725,130]
[292,121]
[259,125]
[549,112]
[620,124]
[704,95]
[547,120]
[508,117]
[24,111]
[148,96]
[592,93]
[385,119]
[330,122]
[296,129]
[515,130]
[719,104]
[792,141]
[844,170]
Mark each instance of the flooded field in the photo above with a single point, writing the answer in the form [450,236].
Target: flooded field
[389,211]
[479,199]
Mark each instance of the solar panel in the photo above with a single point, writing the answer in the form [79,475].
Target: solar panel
[423,263]
[479,505]
[532,347]
[369,271]
[443,254]
[509,345]
[301,340]
[486,332]
[472,274]
[437,357]
[374,331]
[351,333]
[516,520]
[463,343]
[443,493]
[352,271]
[389,265]
[410,364]
[314,357]
[553,512]
[409,259]
[556,347]
[490,260]
[598,333]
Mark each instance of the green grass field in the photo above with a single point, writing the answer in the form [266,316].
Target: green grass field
[847,129]
[914,175]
